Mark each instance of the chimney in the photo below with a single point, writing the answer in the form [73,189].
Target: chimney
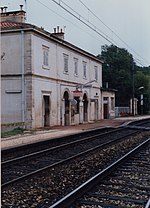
[58,33]
[2,9]
[21,6]
[5,8]
[13,16]
[54,30]
[57,29]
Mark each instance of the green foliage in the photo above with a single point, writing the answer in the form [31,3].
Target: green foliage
[118,71]
[12,132]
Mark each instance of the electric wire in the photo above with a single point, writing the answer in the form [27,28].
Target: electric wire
[93,27]
[89,10]
[66,19]
[88,23]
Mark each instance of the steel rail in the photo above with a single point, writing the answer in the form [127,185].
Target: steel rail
[46,142]
[78,192]
[7,162]
[148,204]
[63,161]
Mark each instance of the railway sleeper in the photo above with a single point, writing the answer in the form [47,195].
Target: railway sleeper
[120,190]
[146,189]
[105,203]
[115,198]
[85,203]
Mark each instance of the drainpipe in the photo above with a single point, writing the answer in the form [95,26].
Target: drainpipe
[22,78]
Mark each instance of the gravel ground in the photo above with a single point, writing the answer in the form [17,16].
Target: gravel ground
[51,185]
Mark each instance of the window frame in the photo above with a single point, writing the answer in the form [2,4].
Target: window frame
[84,69]
[75,66]
[66,63]
[96,73]
[45,51]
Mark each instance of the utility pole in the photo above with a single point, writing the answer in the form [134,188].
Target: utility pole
[141,99]
[133,88]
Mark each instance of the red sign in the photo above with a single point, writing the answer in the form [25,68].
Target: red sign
[77,93]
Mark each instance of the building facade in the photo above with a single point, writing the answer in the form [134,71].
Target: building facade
[45,80]
[108,103]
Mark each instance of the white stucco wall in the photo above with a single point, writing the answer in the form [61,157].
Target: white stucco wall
[11,46]
[41,81]
[56,62]
[11,109]
[111,109]
[48,88]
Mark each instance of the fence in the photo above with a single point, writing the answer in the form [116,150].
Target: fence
[122,111]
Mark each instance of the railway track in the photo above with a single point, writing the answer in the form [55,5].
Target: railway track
[20,151]
[125,183]
[20,168]
[48,186]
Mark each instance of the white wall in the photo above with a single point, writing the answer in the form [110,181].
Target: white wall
[56,62]
[11,110]
[11,46]
[51,81]
[11,100]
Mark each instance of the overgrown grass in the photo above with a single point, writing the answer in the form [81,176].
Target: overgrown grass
[12,132]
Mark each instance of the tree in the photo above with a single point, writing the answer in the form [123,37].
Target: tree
[118,71]
[142,78]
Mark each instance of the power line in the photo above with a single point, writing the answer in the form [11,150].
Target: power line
[66,19]
[89,10]
[87,23]
[92,26]
[79,17]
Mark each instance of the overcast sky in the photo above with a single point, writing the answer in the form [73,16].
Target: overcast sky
[128,19]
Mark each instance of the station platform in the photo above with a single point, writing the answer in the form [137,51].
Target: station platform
[36,135]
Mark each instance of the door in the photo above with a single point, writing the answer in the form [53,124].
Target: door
[105,111]
[67,109]
[96,109]
[85,108]
[46,110]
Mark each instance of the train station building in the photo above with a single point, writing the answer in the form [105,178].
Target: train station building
[47,81]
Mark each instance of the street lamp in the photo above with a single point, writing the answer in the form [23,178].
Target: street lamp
[86,85]
[141,99]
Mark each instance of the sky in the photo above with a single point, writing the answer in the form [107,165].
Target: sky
[121,22]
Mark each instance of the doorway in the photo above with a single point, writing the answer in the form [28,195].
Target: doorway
[106,111]
[85,108]
[67,107]
[96,109]
[46,110]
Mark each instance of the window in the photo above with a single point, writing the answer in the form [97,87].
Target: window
[84,69]
[45,56]
[105,98]
[66,57]
[96,73]
[76,66]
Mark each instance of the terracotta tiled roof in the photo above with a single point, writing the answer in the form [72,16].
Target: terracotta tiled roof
[14,25]
[8,24]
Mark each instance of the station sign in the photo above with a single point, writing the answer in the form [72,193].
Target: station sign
[77,93]
[93,100]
